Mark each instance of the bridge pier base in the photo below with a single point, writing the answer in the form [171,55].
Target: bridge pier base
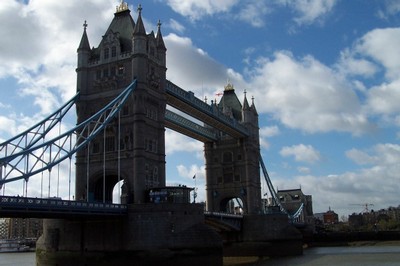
[267,235]
[150,234]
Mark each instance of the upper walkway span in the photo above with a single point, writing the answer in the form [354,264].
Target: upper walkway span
[186,102]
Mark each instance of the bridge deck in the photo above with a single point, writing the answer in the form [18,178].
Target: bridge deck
[56,208]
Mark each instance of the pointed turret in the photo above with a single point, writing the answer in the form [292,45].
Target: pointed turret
[83,61]
[159,38]
[84,44]
[230,104]
[84,48]
[139,37]
[253,107]
[139,27]
[245,102]
[161,49]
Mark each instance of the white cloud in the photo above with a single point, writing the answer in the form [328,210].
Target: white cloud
[377,184]
[310,11]
[380,45]
[303,170]
[208,76]
[385,98]
[374,53]
[301,153]
[176,142]
[306,95]
[267,132]
[351,64]
[41,54]
[381,154]
[390,8]
[254,13]
[176,26]
[195,9]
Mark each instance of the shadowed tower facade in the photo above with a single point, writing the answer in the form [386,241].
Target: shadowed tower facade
[232,164]
[132,148]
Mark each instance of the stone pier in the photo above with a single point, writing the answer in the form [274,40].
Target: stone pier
[151,234]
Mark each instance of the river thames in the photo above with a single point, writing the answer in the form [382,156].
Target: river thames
[383,254]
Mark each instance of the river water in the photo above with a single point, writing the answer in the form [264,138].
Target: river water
[322,256]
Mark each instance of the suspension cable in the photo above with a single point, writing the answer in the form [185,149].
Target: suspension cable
[69,172]
[48,193]
[119,157]
[58,165]
[104,164]
[87,172]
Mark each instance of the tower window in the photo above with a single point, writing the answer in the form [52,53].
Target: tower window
[227,157]
[110,145]
[120,70]
[95,147]
[113,51]
[122,145]
[152,51]
[105,72]
[125,110]
[106,53]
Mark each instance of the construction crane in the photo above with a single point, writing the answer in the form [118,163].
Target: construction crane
[365,205]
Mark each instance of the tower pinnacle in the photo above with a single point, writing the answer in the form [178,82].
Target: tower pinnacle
[122,7]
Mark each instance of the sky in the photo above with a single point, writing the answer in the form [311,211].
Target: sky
[324,75]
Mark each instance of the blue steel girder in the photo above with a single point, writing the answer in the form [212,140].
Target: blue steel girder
[10,148]
[189,128]
[43,157]
[210,115]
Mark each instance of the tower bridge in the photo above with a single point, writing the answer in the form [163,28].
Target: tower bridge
[121,107]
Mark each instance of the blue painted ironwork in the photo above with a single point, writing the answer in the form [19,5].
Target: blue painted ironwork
[186,102]
[175,121]
[44,156]
[32,135]
[55,207]
[275,198]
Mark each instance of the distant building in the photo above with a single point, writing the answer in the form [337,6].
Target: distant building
[325,218]
[372,217]
[330,217]
[292,200]
[19,228]
[3,228]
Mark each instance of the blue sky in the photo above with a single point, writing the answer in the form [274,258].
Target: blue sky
[324,75]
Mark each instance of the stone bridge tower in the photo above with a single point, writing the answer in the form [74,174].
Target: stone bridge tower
[131,149]
[232,165]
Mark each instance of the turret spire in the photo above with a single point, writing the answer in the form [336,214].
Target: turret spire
[159,38]
[139,27]
[84,44]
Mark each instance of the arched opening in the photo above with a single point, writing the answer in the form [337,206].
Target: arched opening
[103,188]
[116,195]
[232,205]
